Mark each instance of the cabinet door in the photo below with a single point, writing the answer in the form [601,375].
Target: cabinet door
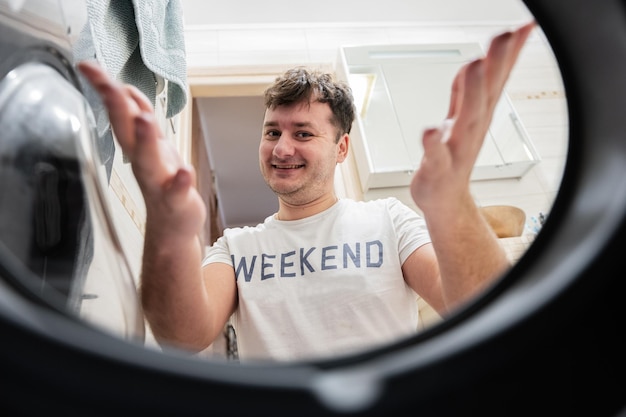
[402,89]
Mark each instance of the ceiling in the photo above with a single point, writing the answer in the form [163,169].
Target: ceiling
[219,12]
[231,126]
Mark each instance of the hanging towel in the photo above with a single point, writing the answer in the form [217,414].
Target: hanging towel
[141,42]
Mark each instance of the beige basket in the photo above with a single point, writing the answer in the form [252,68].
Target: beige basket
[506,221]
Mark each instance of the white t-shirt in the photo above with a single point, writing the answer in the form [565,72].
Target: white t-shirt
[325,285]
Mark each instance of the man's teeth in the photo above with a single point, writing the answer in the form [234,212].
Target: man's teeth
[288,166]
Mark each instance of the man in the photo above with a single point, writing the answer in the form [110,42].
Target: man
[322,276]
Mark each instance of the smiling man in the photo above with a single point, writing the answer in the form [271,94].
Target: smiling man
[322,276]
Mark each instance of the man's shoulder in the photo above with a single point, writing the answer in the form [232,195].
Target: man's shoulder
[381,202]
[245,229]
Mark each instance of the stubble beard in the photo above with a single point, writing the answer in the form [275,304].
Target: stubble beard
[300,193]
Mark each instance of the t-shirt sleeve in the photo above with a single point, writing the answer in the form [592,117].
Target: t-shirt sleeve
[218,252]
[410,227]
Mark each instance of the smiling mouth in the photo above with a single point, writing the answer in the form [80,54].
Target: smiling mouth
[287,166]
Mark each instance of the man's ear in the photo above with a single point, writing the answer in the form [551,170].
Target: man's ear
[343,145]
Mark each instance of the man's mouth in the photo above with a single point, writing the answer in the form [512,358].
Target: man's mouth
[287,166]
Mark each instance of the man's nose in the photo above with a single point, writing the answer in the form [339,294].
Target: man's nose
[284,146]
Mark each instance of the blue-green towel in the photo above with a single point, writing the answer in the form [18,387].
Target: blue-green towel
[141,42]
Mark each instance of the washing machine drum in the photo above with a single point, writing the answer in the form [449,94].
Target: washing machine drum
[53,217]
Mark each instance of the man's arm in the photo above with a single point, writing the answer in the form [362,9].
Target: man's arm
[176,298]
[468,255]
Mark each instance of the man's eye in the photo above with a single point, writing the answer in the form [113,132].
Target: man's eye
[272,134]
[303,135]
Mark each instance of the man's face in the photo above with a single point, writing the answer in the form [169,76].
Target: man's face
[298,153]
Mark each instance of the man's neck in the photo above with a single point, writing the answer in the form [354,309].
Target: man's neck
[288,211]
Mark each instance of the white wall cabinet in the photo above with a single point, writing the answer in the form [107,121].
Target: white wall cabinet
[402,89]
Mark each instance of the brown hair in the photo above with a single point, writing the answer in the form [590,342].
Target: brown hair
[302,85]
